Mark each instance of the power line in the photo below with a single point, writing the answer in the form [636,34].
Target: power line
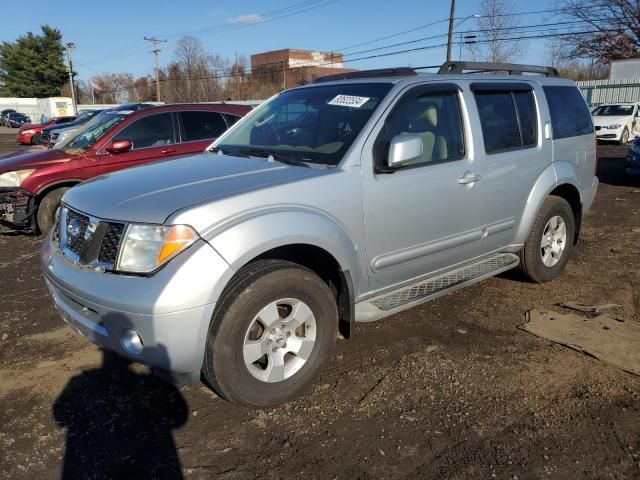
[155,41]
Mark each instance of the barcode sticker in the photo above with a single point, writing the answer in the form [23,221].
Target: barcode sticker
[349,101]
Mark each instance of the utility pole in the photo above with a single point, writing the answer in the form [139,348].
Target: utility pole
[69,46]
[450,39]
[155,41]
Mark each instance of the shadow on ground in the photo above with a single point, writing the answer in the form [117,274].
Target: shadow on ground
[119,423]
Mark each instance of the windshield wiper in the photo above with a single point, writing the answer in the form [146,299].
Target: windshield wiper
[276,156]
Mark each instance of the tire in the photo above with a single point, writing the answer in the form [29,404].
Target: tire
[624,138]
[247,299]
[35,139]
[532,256]
[46,214]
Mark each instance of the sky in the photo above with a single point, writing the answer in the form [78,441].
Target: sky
[109,37]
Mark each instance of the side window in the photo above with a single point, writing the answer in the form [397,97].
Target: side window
[570,116]
[499,121]
[527,115]
[150,131]
[231,119]
[202,125]
[433,116]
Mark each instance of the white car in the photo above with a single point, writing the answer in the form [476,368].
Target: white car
[618,122]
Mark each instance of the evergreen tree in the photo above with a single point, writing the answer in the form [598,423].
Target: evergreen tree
[33,65]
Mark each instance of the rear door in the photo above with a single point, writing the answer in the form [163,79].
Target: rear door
[512,154]
[154,137]
[198,128]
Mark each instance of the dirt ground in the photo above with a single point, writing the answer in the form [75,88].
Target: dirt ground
[451,389]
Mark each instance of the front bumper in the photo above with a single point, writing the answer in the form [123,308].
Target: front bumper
[170,310]
[24,138]
[17,207]
[611,135]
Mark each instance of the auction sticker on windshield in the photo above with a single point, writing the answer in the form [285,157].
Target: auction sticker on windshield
[349,101]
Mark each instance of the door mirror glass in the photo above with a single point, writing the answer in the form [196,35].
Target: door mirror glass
[120,146]
[404,148]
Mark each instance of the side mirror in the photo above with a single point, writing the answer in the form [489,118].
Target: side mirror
[403,149]
[120,146]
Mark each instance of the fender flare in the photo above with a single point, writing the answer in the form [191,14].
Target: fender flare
[238,242]
[556,174]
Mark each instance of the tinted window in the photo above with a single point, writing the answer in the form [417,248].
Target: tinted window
[434,117]
[570,116]
[526,106]
[499,121]
[231,119]
[149,131]
[202,125]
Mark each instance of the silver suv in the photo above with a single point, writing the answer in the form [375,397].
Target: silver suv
[350,199]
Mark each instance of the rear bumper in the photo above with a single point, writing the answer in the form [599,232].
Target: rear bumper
[17,207]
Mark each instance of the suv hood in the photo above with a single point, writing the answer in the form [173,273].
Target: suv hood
[33,158]
[607,120]
[151,193]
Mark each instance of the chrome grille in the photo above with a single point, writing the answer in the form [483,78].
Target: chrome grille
[89,240]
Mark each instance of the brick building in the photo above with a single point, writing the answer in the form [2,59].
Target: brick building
[296,67]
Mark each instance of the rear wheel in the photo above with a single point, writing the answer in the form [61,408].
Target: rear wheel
[274,328]
[547,249]
[46,215]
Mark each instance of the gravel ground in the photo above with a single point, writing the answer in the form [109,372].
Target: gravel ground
[450,389]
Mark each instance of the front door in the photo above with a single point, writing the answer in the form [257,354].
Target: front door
[422,217]
[153,137]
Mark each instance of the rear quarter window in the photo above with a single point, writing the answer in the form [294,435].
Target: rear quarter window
[570,116]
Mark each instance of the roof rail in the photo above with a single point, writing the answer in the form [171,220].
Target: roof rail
[510,68]
[380,72]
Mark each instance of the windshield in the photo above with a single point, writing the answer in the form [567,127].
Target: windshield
[97,128]
[314,125]
[613,111]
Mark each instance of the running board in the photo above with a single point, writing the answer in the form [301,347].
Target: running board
[409,296]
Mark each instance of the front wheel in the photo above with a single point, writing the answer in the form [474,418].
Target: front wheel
[547,249]
[274,327]
[624,138]
[46,215]
[35,139]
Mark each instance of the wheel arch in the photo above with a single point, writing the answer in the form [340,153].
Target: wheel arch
[565,186]
[308,238]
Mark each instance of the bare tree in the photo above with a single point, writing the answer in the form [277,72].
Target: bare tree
[496,24]
[614,27]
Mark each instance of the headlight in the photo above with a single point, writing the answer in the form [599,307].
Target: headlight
[14,179]
[147,247]
[613,127]
[28,132]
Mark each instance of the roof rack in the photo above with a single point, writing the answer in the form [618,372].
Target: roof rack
[380,72]
[510,68]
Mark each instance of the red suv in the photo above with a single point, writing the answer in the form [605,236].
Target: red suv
[28,133]
[32,183]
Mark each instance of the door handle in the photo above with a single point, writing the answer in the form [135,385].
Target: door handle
[468,179]
[168,150]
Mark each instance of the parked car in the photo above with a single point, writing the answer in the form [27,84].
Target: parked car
[29,133]
[340,201]
[632,163]
[16,119]
[32,184]
[51,134]
[617,122]
[3,115]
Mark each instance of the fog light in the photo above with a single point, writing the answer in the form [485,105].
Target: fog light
[131,341]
